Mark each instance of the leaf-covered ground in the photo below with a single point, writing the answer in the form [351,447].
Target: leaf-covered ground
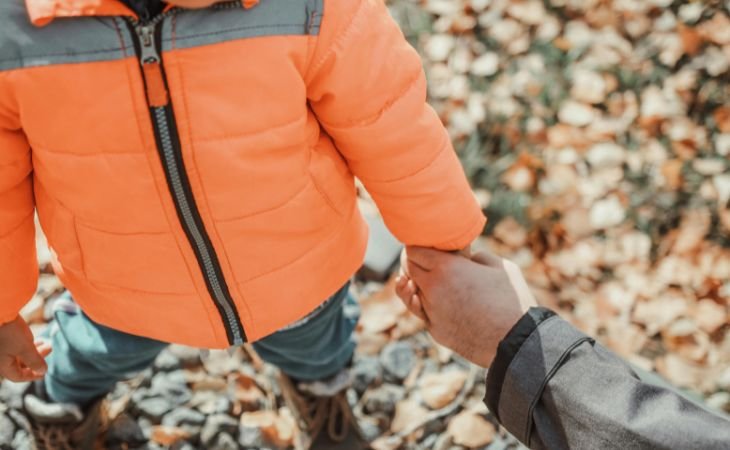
[597,135]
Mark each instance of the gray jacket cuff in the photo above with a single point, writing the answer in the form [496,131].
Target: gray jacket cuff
[534,364]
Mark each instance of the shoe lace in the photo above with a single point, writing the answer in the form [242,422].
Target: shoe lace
[332,414]
[53,437]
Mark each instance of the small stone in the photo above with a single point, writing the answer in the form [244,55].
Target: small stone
[220,362]
[21,421]
[210,403]
[576,113]
[251,437]
[146,425]
[486,65]
[370,430]
[384,399]
[154,408]
[11,394]
[588,86]
[497,444]
[224,441]
[606,154]
[439,47]
[216,424]
[172,387]
[167,362]
[691,12]
[723,381]
[7,429]
[183,416]
[719,401]
[22,441]
[125,430]
[182,445]
[367,372]
[607,213]
[169,380]
[398,359]
[188,356]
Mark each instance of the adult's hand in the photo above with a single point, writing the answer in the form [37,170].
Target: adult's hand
[468,304]
[21,359]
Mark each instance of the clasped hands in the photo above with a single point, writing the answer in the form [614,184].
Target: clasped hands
[469,302]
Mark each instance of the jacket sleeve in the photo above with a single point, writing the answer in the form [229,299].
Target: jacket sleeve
[18,263]
[556,388]
[367,87]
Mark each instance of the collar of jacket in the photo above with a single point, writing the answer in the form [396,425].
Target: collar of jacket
[42,12]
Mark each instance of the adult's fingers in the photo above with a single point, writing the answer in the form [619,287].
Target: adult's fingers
[11,369]
[488,259]
[427,258]
[33,360]
[403,287]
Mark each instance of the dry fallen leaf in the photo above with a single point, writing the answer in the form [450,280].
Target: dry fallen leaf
[279,429]
[511,233]
[440,389]
[576,114]
[710,316]
[471,430]
[607,213]
[247,391]
[168,435]
[381,311]
[407,412]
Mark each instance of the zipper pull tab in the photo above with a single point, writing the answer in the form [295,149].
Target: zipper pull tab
[149,58]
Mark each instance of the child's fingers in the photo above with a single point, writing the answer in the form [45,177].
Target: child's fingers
[43,348]
[416,307]
[405,288]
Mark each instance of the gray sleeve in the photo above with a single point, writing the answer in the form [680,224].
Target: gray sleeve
[562,390]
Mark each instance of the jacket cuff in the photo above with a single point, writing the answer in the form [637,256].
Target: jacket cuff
[507,350]
[527,358]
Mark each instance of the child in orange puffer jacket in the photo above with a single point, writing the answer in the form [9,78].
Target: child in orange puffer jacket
[193,170]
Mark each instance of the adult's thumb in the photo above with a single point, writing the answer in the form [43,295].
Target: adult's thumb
[32,359]
[487,259]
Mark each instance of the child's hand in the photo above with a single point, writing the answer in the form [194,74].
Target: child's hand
[469,305]
[21,359]
[405,284]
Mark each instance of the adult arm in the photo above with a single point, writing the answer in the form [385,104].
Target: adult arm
[553,387]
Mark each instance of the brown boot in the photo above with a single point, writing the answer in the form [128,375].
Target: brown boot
[325,413]
[59,426]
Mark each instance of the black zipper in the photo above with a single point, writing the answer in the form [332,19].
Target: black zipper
[146,36]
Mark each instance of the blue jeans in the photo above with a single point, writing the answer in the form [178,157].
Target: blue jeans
[88,359]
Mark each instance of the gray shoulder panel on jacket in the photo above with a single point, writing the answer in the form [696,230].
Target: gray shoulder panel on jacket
[268,18]
[63,41]
[94,39]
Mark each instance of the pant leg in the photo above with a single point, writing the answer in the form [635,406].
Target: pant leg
[88,359]
[317,347]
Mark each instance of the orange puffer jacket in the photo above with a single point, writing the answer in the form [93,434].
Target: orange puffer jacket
[194,173]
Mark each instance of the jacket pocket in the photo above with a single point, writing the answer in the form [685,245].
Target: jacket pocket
[143,262]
